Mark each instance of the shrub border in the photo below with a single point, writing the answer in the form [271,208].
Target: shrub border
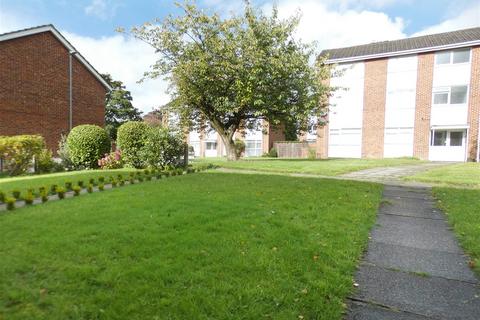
[60,193]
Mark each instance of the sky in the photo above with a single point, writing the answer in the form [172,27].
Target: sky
[90,26]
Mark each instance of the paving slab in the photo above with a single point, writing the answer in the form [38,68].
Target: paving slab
[414,232]
[365,311]
[434,263]
[428,296]
[427,213]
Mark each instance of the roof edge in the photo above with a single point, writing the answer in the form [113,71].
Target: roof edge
[63,40]
[402,53]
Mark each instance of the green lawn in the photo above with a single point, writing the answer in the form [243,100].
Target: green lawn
[23,183]
[328,167]
[461,174]
[462,207]
[200,246]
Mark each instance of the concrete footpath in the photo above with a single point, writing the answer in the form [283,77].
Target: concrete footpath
[414,268]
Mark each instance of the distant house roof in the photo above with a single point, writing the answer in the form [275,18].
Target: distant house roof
[433,42]
[62,39]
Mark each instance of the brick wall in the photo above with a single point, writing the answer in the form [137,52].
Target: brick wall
[34,89]
[474,105]
[375,90]
[272,135]
[423,102]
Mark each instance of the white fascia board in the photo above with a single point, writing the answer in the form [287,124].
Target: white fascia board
[450,127]
[61,38]
[404,52]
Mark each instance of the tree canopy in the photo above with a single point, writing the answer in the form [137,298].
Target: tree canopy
[118,107]
[232,71]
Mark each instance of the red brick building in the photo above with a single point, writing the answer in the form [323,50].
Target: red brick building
[46,86]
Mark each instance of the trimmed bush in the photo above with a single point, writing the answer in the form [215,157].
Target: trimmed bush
[91,181]
[60,193]
[16,194]
[44,162]
[2,196]
[90,188]
[131,138]
[76,190]
[163,148]
[80,183]
[68,186]
[121,182]
[18,152]
[53,189]
[111,161]
[101,186]
[44,196]
[239,146]
[28,198]
[10,202]
[86,144]
[42,190]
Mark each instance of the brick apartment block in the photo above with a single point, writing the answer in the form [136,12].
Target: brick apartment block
[39,69]
[415,97]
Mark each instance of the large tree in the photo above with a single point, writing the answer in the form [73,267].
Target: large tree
[230,72]
[118,107]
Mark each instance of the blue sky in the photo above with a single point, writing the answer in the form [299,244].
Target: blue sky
[90,26]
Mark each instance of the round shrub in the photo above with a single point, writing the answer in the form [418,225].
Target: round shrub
[86,144]
[131,138]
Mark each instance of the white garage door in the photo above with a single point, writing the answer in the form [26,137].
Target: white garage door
[345,143]
[398,142]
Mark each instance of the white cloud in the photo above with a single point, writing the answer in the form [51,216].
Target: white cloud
[333,28]
[103,9]
[126,59]
[468,18]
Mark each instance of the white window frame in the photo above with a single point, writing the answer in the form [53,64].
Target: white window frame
[448,90]
[447,140]
[451,52]
[207,143]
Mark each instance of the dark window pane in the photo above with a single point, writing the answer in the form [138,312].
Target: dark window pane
[440,138]
[458,95]
[456,138]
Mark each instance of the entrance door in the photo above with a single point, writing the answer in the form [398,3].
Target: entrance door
[448,145]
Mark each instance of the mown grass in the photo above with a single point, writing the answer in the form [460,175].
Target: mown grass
[23,183]
[461,174]
[327,167]
[462,207]
[201,246]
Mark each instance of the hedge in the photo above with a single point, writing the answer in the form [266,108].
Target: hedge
[131,138]
[86,144]
[18,152]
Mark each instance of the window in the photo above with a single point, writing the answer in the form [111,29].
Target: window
[461,56]
[443,57]
[440,138]
[456,56]
[450,95]
[440,98]
[253,148]
[211,146]
[456,138]
[445,138]
[458,95]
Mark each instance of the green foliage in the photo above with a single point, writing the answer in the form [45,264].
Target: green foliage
[68,185]
[118,107]
[53,188]
[60,192]
[239,147]
[90,188]
[312,153]
[92,181]
[162,148]
[86,144]
[16,194]
[18,152]
[29,197]
[64,154]
[131,138]
[76,190]
[80,183]
[44,196]
[272,153]
[101,186]
[113,160]
[10,202]
[101,179]
[2,196]
[231,71]
[44,162]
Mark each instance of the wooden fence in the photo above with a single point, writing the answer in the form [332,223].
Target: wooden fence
[295,149]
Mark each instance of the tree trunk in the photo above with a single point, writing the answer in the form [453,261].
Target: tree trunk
[229,146]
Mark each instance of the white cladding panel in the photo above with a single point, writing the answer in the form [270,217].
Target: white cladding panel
[400,106]
[451,74]
[346,112]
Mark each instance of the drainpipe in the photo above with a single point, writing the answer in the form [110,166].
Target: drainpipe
[70,90]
